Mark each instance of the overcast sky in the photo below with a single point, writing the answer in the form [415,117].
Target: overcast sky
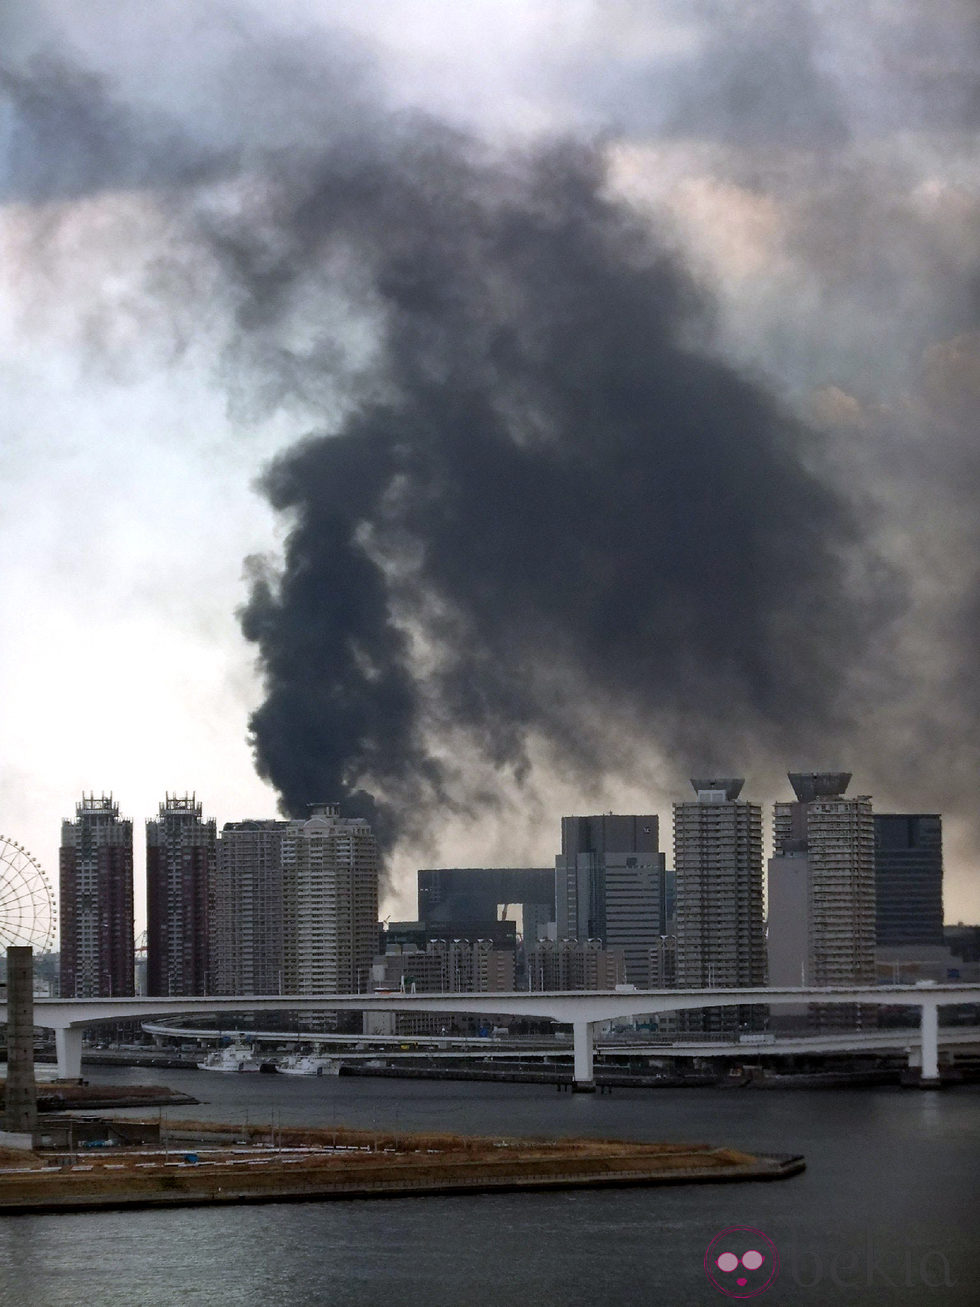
[635,349]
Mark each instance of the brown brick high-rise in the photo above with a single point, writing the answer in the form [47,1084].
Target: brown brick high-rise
[180,866]
[96,873]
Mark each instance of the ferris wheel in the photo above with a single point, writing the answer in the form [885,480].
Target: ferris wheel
[27,913]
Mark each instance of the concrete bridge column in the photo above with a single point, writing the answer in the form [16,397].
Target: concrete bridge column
[929,1031]
[68,1045]
[584,1078]
[20,1116]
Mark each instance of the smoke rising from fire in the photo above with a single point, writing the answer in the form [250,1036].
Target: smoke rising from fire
[551,493]
[543,513]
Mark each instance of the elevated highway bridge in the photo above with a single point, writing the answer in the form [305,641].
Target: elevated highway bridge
[535,1048]
[582,1010]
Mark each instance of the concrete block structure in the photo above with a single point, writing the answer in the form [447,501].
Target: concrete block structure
[20,1106]
[449,966]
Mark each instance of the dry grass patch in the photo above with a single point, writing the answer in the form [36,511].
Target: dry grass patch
[21,1158]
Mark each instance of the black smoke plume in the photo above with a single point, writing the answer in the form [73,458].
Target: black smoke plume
[548,507]
[539,516]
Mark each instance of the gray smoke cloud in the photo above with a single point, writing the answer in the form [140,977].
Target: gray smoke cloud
[538,504]
[752,79]
[557,488]
[70,138]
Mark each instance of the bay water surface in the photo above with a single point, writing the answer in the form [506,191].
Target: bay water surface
[887,1211]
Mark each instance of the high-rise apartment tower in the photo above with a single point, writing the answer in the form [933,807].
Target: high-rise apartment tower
[720,928]
[180,865]
[822,888]
[246,940]
[330,903]
[96,881]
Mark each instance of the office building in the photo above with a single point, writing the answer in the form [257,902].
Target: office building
[473,898]
[447,966]
[570,964]
[440,966]
[908,879]
[963,945]
[96,882]
[610,886]
[538,921]
[963,942]
[822,890]
[180,866]
[720,927]
[330,903]
[246,942]
[501,934]
[295,906]
[663,960]
[409,970]
[473,966]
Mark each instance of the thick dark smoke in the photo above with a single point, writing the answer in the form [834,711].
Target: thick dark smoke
[540,517]
[552,485]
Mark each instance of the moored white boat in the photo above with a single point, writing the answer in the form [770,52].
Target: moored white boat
[310,1064]
[233,1057]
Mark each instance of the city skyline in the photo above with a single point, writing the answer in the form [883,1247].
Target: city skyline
[486,414]
[405,906]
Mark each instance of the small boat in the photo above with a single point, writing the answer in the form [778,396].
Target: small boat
[310,1064]
[233,1057]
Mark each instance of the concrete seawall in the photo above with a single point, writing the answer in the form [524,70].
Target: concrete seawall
[187,1185]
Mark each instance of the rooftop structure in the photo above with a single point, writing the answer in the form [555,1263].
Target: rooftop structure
[809,785]
[476,894]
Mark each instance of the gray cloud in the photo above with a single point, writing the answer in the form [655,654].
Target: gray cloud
[757,81]
[69,137]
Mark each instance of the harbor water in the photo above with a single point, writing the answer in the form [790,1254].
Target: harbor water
[886,1212]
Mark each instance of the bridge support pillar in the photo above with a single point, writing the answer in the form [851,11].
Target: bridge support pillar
[68,1045]
[929,1031]
[20,1117]
[584,1078]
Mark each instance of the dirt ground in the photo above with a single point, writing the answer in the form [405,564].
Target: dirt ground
[202,1162]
